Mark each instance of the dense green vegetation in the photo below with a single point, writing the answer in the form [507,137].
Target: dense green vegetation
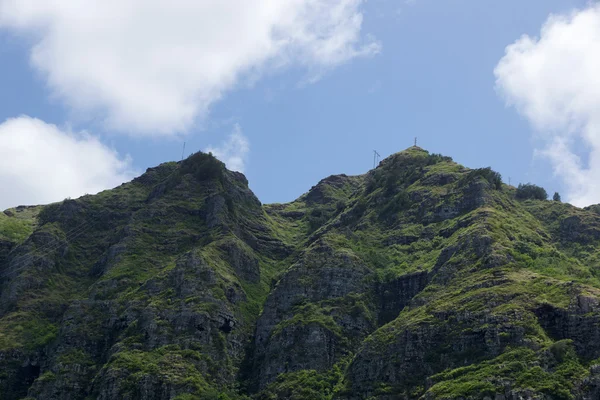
[531,191]
[420,279]
[556,197]
[17,224]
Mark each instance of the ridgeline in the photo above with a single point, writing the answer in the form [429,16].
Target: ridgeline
[421,279]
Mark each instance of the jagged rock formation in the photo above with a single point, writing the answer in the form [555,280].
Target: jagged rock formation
[421,279]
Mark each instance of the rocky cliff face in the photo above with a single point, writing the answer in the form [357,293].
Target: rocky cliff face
[421,279]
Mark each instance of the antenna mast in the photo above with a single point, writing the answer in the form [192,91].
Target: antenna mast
[183,151]
[415,141]
[375,158]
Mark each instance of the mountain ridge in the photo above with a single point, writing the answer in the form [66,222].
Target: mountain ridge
[421,279]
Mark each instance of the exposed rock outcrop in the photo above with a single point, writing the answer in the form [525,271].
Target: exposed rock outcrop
[421,279]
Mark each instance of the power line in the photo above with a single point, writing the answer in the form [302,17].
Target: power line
[24,262]
[51,246]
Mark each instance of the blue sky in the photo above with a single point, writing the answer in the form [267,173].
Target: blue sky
[419,68]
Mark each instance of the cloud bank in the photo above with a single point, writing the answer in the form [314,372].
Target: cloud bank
[153,67]
[40,163]
[554,81]
[233,151]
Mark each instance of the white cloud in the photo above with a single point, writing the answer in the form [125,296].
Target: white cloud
[554,81]
[233,151]
[154,66]
[40,163]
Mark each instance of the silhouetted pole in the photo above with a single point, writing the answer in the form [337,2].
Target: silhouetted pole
[375,157]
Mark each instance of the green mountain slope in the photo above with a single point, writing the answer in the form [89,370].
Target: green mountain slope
[421,279]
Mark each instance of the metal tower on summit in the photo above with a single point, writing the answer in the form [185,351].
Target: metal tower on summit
[376,157]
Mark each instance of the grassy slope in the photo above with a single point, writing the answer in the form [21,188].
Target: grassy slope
[16,224]
[531,262]
[63,263]
[401,218]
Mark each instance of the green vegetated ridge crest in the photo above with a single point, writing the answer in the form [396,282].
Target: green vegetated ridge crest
[421,279]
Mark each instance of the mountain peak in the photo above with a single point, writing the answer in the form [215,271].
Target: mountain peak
[413,155]
[419,279]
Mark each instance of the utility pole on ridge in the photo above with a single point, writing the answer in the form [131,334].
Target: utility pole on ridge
[375,158]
